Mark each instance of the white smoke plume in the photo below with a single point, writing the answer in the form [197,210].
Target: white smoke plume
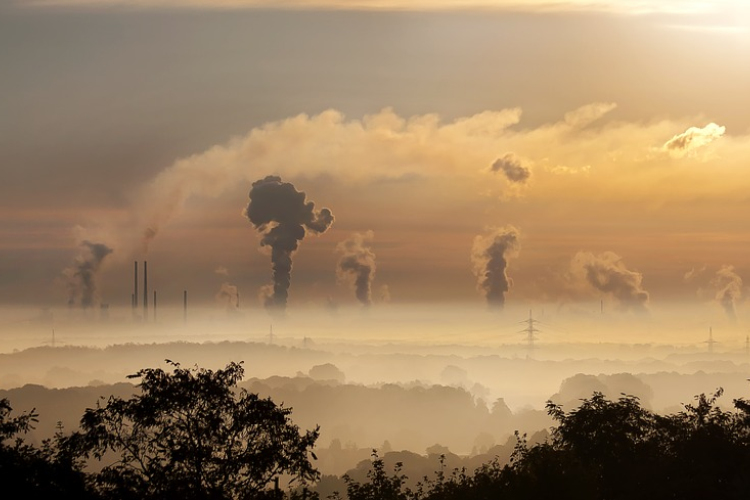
[728,286]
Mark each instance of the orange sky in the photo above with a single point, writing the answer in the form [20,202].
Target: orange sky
[611,142]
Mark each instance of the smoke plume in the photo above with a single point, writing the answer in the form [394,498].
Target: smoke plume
[490,255]
[357,265]
[82,274]
[513,168]
[728,285]
[229,295]
[608,274]
[283,215]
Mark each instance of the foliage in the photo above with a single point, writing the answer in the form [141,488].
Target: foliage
[37,472]
[191,434]
[603,450]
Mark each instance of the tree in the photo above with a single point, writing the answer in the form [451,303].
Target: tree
[191,434]
[37,472]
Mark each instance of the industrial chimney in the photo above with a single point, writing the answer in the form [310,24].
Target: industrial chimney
[145,291]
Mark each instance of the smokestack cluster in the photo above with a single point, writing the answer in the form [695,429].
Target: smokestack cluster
[490,255]
[82,276]
[283,215]
[357,265]
[145,290]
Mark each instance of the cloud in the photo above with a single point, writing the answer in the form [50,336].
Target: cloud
[513,168]
[692,139]
[586,115]
[606,273]
[222,271]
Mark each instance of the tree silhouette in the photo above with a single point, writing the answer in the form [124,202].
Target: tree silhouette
[37,472]
[190,434]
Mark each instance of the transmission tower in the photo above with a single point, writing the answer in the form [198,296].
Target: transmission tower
[530,331]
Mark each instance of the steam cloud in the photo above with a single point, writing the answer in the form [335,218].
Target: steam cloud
[693,138]
[82,275]
[728,286]
[490,255]
[283,215]
[607,273]
[512,167]
[229,295]
[357,265]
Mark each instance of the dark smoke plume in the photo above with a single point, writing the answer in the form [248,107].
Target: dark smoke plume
[490,256]
[82,275]
[283,215]
[728,286]
[513,168]
[607,273]
[357,265]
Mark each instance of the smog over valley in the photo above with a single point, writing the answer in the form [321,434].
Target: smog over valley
[433,233]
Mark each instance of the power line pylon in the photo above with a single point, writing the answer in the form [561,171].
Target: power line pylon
[530,331]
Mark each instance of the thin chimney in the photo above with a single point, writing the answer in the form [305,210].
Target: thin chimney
[135,284]
[184,305]
[154,306]
[145,291]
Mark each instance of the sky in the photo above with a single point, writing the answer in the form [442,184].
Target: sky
[499,153]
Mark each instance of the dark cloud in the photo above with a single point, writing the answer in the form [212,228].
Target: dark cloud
[357,265]
[490,256]
[513,168]
[81,276]
[284,216]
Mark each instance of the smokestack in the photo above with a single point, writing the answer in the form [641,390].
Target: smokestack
[154,306]
[145,291]
[184,305]
[135,284]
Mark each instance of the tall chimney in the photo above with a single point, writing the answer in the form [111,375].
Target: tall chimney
[145,291]
[135,284]
[154,305]
[184,305]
